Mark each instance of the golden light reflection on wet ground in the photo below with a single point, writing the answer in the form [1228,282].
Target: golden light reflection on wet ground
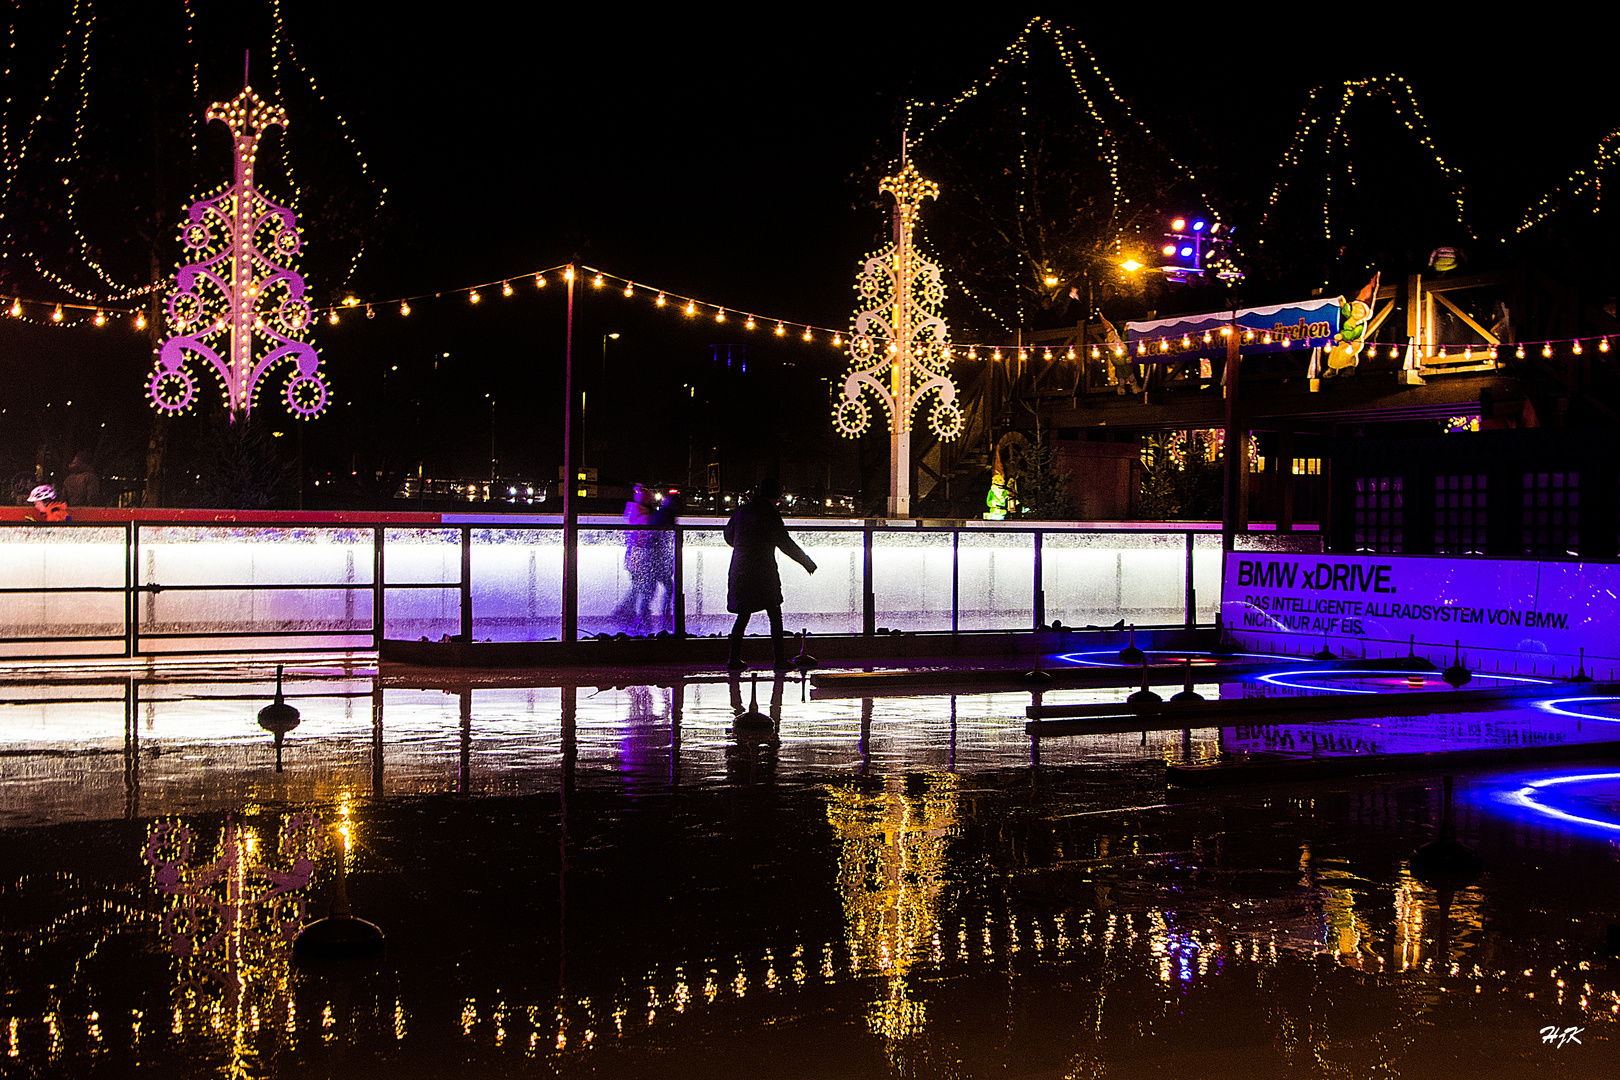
[622,880]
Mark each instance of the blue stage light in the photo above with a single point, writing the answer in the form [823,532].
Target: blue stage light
[1186,252]
[1198,226]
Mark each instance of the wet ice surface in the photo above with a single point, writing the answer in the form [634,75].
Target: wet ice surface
[882,886]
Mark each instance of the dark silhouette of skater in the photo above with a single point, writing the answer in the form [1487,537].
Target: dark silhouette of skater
[755,532]
[83,486]
[635,609]
[660,561]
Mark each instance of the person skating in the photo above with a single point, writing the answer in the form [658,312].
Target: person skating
[755,532]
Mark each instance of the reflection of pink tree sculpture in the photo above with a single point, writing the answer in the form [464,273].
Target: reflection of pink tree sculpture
[240,289]
[234,917]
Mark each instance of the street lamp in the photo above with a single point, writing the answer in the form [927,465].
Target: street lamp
[584,436]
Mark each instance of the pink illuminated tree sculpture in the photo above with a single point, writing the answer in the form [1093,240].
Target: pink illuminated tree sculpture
[239,304]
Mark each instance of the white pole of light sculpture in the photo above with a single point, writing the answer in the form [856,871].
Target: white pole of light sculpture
[899,347]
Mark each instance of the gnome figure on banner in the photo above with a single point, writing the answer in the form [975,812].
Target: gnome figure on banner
[999,499]
[1354,317]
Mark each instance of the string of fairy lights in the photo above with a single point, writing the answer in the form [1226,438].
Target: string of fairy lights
[71,73]
[281,42]
[1607,150]
[1143,350]
[1107,133]
[1336,142]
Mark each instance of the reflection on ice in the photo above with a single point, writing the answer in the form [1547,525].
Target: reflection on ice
[608,878]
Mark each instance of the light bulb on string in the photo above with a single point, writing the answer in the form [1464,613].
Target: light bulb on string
[807,333]
[1096,353]
[404,308]
[1578,349]
[1491,352]
[1071,352]
[1023,354]
[1603,346]
[1519,352]
[749,324]
[838,341]
[506,288]
[996,355]
[474,297]
[660,301]
[720,315]
[539,281]
[1468,352]
[629,290]
[16,309]
[56,316]
[1186,342]
[1546,350]
[140,321]
[1046,354]
[101,318]
[369,313]
[596,282]
[780,329]
[568,274]
[332,318]
[691,307]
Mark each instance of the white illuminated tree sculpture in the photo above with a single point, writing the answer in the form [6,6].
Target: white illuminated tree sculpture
[899,347]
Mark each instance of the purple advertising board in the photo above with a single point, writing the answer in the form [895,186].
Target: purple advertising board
[1505,615]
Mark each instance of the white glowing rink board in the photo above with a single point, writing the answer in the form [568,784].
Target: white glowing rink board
[1503,614]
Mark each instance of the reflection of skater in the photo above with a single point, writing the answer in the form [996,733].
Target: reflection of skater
[754,532]
[633,611]
[751,757]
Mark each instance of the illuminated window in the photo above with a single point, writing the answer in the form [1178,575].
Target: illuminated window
[1307,466]
[1378,526]
[1257,463]
[1550,517]
[1459,514]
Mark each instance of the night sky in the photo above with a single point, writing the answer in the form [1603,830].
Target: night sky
[724,159]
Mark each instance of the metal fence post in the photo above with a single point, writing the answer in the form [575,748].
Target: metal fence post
[677,601]
[1192,595]
[868,599]
[132,609]
[956,581]
[378,603]
[1040,585]
[466,584]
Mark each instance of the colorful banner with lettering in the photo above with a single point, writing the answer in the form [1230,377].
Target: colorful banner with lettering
[1303,325]
[1506,615]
